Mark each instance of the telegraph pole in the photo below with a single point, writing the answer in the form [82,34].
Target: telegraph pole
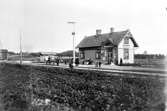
[21,58]
[73,34]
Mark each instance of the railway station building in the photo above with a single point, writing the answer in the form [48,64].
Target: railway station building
[108,48]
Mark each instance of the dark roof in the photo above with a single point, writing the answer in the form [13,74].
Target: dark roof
[95,41]
[68,53]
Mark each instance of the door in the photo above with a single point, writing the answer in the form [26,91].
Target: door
[110,55]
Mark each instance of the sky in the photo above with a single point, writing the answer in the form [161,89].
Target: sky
[44,26]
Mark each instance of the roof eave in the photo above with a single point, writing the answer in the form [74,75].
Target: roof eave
[89,47]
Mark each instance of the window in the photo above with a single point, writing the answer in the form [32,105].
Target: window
[82,55]
[126,40]
[98,55]
[126,53]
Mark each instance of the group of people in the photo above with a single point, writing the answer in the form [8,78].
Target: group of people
[71,62]
[98,64]
[56,60]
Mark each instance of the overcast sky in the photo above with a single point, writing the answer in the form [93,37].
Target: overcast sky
[45,28]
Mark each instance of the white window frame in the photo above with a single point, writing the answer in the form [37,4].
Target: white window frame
[126,53]
[98,54]
[82,54]
[126,40]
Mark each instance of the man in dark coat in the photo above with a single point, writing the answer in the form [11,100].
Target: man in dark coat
[57,61]
[77,61]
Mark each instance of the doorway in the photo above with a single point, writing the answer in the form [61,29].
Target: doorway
[110,57]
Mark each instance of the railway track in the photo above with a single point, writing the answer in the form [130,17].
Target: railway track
[129,74]
[116,72]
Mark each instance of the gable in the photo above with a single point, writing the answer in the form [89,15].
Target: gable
[127,42]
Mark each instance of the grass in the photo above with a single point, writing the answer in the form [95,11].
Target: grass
[77,90]
[151,62]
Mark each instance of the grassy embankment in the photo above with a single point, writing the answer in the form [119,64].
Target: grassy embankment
[156,63]
[24,88]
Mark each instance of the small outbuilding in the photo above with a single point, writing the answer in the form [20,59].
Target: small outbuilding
[3,54]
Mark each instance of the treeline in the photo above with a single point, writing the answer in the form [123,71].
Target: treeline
[68,53]
[35,54]
[150,56]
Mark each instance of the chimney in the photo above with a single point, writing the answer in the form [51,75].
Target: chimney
[98,32]
[111,30]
